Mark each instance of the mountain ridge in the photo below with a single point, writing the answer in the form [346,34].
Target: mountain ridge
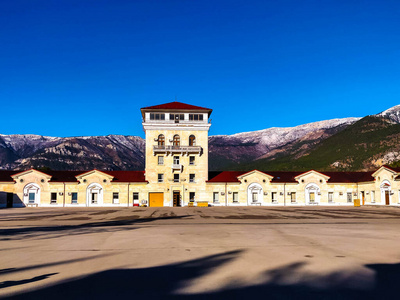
[125,152]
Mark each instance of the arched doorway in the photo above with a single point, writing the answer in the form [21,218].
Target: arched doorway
[386,192]
[32,194]
[313,193]
[94,194]
[254,194]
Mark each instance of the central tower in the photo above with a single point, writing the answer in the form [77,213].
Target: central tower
[176,153]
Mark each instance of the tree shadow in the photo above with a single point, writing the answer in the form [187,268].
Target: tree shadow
[85,228]
[51,264]
[147,283]
[10,283]
[164,282]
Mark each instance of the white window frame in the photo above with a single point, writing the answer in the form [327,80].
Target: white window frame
[216,197]
[192,178]
[72,198]
[351,197]
[178,177]
[194,197]
[293,197]
[160,160]
[115,197]
[160,178]
[237,197]
[330,197]
[274,197]
[53,201]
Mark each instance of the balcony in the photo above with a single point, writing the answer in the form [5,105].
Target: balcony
[177,167]
[177,149]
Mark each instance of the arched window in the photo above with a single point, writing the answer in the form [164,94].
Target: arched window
[161,140]
[176,141]
[192,140]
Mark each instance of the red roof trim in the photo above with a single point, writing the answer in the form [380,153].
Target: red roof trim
[31,169]
[176,105]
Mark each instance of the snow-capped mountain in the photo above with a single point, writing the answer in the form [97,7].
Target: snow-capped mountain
[392,114]
[246,146]
[116,152]
[112,152]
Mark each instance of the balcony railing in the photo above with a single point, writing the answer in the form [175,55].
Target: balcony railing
[176,167]
[176,149]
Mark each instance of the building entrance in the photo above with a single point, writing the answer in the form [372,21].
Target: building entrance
[177,198]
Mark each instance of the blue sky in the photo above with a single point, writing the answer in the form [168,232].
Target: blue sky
[76,67]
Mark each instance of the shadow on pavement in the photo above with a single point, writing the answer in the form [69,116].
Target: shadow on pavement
[24,232]
[25,281]
[163,282]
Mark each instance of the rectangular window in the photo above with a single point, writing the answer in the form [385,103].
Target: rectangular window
[115,198]
[31,197]
[330,197]
[235,197]
[215,197]
[160,177]
[158,116]
[94,198]
[293,197]
[176,177]
[74,198]
[254,196]
[274,197]
[192,196]
[192,178]
[373,196]
[349,198]
[191,160]
[196,117]
[176,117]
[135,197]
[161,160]
[176,160]
[53,198]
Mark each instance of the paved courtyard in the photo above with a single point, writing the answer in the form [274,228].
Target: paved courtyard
[210,253]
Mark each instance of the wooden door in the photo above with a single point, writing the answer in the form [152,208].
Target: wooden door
[177,199]
[387,200]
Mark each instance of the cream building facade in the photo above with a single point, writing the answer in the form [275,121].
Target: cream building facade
[176,174]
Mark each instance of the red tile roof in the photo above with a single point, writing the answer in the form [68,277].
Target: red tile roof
[177,105]
[349,177]
[225,176]
[5,176]
[127,176]
[281,177]
[63,176]
[119,176]
[70,176]
[390,168]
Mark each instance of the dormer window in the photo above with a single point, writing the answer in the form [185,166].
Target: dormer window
[176,142]
[192,140]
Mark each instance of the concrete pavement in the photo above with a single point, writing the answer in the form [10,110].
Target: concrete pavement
[224,252]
